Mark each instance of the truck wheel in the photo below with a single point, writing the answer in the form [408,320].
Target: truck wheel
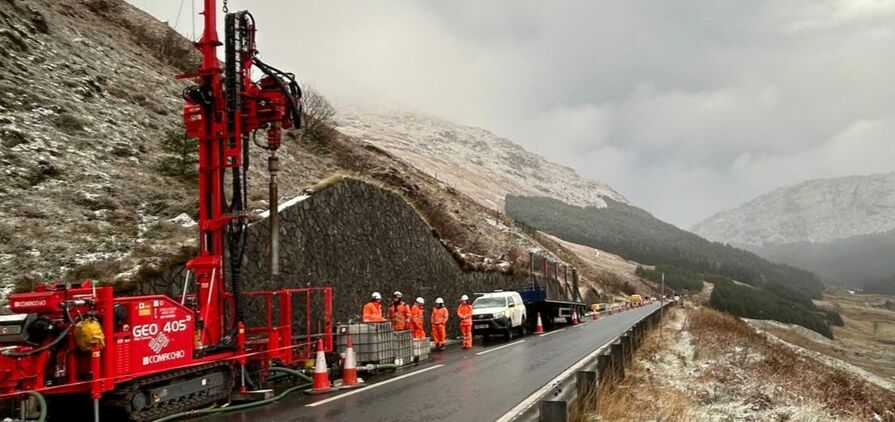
[509,332]
[522,328]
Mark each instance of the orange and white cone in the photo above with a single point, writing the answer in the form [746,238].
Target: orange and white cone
[321,382]
[595,315]
[574,317]
[539,329]
[349,372]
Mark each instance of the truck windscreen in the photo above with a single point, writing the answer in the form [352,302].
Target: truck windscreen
[489,302]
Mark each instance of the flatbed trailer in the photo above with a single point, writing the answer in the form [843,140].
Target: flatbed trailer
[551,308]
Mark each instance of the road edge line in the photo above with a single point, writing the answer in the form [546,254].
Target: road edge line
[536,396]
[372,386]
[493,349]
[551,332]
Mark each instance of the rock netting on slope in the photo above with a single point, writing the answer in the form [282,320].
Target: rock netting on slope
[359,238]
[87,93]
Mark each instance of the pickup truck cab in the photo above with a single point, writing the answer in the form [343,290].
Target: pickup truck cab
[498,313]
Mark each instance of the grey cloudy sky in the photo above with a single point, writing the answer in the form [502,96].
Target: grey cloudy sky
[685,107]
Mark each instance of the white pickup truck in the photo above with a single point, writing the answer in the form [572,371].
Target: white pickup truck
[499,313]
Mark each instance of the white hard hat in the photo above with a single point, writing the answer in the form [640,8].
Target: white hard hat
[464,297]
[439,301]
[398,294]
[376,295]
[421,301]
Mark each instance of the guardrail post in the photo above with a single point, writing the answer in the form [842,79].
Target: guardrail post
[638,335]
[627,349]
[618,360]
[604,368]
[585,384]
[553,411]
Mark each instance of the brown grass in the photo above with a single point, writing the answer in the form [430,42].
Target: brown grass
[101,271]
[723,345]
[639,396]
[715,333]
[718,332]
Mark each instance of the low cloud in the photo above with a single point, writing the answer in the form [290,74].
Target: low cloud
[686,108]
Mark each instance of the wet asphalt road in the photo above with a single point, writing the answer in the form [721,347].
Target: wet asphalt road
[455,385]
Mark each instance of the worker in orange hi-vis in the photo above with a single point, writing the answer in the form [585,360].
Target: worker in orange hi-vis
[464,311]
[399,313]
[373,309]
[416,318]
[440,318]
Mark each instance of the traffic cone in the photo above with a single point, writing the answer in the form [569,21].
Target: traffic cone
[539,329]
[349,371]
[321,382]
[595,315]
[574,317]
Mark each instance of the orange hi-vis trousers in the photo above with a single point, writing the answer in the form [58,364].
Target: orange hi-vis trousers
[466,330]
[439,335]
[464,311]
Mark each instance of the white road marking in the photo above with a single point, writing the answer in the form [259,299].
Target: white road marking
[372,386]
[498,348]
[532,399]
[554,331]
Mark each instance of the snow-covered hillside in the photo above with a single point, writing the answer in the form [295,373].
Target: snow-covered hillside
[474,161]
[820,210]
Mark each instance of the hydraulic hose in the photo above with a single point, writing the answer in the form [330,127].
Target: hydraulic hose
[42,417]
[290,371]
[374,367]
[244,406]
[55,341]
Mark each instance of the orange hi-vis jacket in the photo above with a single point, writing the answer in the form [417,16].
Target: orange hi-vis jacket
[464,311]
[416,317]
[440,316]
[400,316]
[373,312]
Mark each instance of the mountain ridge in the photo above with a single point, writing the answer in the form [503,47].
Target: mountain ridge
[817,210]
[444,149]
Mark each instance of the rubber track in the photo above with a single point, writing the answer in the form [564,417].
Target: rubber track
[125,396]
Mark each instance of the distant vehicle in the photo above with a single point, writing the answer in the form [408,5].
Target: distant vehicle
[499,313]
[598,307]
[636,300]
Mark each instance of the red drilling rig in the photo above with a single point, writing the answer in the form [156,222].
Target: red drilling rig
[153,356]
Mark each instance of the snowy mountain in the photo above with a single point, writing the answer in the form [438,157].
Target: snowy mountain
[819,210]
[842,228]
[474,161]
[87,94]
